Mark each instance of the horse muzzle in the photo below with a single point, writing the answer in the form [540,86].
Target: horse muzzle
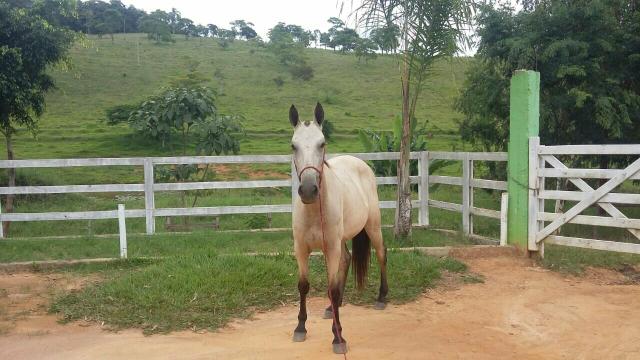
[308,191]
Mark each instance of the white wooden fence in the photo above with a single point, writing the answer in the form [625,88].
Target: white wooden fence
[149,187]
[543,225]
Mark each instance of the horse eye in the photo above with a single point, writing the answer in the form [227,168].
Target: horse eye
[323,144]
[293,147]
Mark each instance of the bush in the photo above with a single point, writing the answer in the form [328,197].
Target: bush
[279,81]
[120,113]
[301,71]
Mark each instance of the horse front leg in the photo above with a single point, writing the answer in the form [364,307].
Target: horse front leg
[336,269]
[300,333]
[343,272]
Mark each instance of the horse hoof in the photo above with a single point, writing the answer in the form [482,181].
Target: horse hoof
[340,348]
[328,314]
[379,305]
[299,336]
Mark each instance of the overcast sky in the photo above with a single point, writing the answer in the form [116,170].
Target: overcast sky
[310,14]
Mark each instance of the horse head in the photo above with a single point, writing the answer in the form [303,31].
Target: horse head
[308,146]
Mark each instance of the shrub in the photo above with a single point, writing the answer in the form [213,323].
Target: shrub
[279,81]
[301,71]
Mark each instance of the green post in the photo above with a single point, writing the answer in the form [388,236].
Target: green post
[524,114]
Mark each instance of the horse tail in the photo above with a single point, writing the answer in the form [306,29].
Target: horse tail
[361,249]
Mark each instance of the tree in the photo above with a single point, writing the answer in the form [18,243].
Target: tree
[175,115]
[429,30]
[213,30]
[244,29]
[29,44]
[156,26]
[226,34]
[336,26]
[186,27]
[317,34]
[325,39]
[112,22]
[588,56]
[386,37]
[346,39]
[173,20]
[289,51]
[365,49]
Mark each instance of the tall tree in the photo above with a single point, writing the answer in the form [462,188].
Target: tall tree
[429,30]
[244,29]
[29,44]
[156,26]
[365,49]
[213,30]
[112,22]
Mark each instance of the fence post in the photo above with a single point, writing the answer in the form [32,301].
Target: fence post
[423,188]
[466,213]
[534,143]
[294,186]
[471,197]
[149,198]
[524,114]
[1,224]
[504,208]
[122,227]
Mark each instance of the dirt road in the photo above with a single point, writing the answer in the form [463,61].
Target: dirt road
[520,312]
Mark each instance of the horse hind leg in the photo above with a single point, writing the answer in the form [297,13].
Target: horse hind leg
[374,232]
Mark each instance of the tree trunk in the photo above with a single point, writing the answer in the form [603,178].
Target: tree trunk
[402,228]
[11,173]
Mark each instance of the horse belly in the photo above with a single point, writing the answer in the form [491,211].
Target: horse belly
[355,212]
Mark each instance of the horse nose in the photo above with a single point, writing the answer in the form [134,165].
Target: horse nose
[308,192]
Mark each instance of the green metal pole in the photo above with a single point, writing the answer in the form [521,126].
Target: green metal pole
[524,113]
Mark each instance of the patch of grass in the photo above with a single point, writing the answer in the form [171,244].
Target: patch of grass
[167,244]
[205,290]
[575,260]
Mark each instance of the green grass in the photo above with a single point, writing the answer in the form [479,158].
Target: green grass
[168,244]
[205,290]
[576,260]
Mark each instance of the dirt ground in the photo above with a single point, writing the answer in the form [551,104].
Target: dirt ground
[520,312]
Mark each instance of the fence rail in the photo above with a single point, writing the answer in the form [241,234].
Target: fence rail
[149,187]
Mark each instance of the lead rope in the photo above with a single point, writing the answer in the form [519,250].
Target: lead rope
[324,243]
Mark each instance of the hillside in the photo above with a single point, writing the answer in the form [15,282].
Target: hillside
[102,74]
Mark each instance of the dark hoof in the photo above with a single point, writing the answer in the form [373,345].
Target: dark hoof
[328,314]
[340,348]
[299,336]
[379,305]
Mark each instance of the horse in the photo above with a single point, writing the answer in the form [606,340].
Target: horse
[337,202]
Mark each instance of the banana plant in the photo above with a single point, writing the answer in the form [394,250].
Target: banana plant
[389,141]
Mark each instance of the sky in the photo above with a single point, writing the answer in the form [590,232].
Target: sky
[264,14]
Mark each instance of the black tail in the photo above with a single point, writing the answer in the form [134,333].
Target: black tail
[361,250]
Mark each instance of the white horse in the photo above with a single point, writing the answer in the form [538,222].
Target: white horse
[337,202]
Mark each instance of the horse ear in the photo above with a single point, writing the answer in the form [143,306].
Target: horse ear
[319,113]
[293,116]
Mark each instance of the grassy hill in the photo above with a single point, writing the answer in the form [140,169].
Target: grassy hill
[103,74]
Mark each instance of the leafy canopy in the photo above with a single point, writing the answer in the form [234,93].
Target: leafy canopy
[29,44]
[588,56]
